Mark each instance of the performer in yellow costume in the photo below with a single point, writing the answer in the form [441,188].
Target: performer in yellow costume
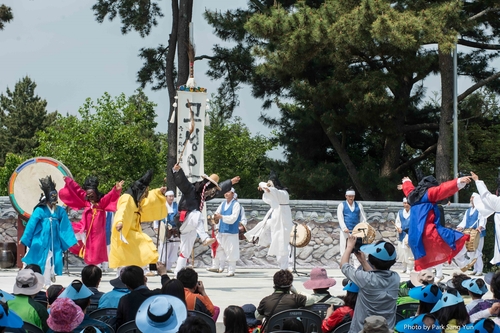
[129,245]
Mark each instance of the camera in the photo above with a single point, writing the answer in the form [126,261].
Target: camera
[357,246]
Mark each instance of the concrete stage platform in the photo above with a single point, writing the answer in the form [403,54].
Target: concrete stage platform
[247,286]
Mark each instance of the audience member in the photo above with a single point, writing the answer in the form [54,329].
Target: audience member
[65,316]
[456,283]
[91,277]
[493,279]
[196,296]
[335,318]
[319,282]
[281,299]
[450,311]
[194,324]
[175,288]
[378,285]
[133,277]
[252,322]
[53,292]
[235,320]
[417,279]
[476,288]
[482,326]
[293,325]
[81,295]
[424,323]
[427,295]
[375,324]
[28,284]
[112,298]
[9,319]
[41,296]
[161,313]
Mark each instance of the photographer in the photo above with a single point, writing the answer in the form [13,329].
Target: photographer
[196,297]
[378,285]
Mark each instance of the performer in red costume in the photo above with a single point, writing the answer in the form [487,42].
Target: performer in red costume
[430,242]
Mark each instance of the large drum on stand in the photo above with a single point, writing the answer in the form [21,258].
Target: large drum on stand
[24,189]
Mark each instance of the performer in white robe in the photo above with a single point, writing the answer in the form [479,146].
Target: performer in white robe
[487,203]
[168,247]
[349,213]
[277,222]
[475,220]
[403,225]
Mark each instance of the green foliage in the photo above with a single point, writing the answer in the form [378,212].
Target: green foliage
[12,161]
[113,138]
[5,16]
[231,150]
[22,113]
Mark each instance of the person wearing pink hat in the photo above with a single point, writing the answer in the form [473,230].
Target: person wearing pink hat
[64,316]
[319,282]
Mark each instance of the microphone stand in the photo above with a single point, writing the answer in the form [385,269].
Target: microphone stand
[295,252]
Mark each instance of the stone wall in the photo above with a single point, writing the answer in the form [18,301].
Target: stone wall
[319,216]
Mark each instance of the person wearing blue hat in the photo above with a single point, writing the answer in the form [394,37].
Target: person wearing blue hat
[9,319]
[427,296]
[481,326]
[335,318]
[476,288]
[450,311]
[424,323]
[378,285]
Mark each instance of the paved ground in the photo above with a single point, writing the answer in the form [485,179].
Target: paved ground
[248,286]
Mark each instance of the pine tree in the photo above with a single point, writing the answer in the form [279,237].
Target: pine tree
[5,16]
[22,114]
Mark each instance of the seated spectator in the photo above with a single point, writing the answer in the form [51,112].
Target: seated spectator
[293,325]
[28,284]
[196,296]
[112,298]
[481,326]
[133,277]
[161,313]
[91,277]
[476,288]
[65,316]
[417,279]
[80,294]
[9,319]
[378,285]
[41,296]
[450,311]
[174,287]
[493,279]
[194,324]
[252,322]
[375,324]
[235,320]
[456,283]
[424,323]
[53,293]
[427,295]
[281,299]
[335,318]
[319,282]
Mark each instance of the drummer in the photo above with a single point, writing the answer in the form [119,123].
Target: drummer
[473,220]
[403,225]
[349,213]
[227,246]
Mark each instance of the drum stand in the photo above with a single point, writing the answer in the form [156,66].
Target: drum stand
[294,270]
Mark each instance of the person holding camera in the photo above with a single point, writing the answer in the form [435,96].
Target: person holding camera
[196,296]
[378,285]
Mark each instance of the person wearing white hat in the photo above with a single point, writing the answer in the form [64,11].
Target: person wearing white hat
[403,225]
[472,220]
[169,240]
[228,216]
[349,213]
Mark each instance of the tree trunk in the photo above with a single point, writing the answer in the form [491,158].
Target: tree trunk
[391,156]
[171,87]
[443,150]
[346,160]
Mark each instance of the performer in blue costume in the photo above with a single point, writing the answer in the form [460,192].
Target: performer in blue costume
[405,255]
[349,213]
[48,233]
[169,240]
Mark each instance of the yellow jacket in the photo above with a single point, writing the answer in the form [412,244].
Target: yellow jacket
[140,249]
